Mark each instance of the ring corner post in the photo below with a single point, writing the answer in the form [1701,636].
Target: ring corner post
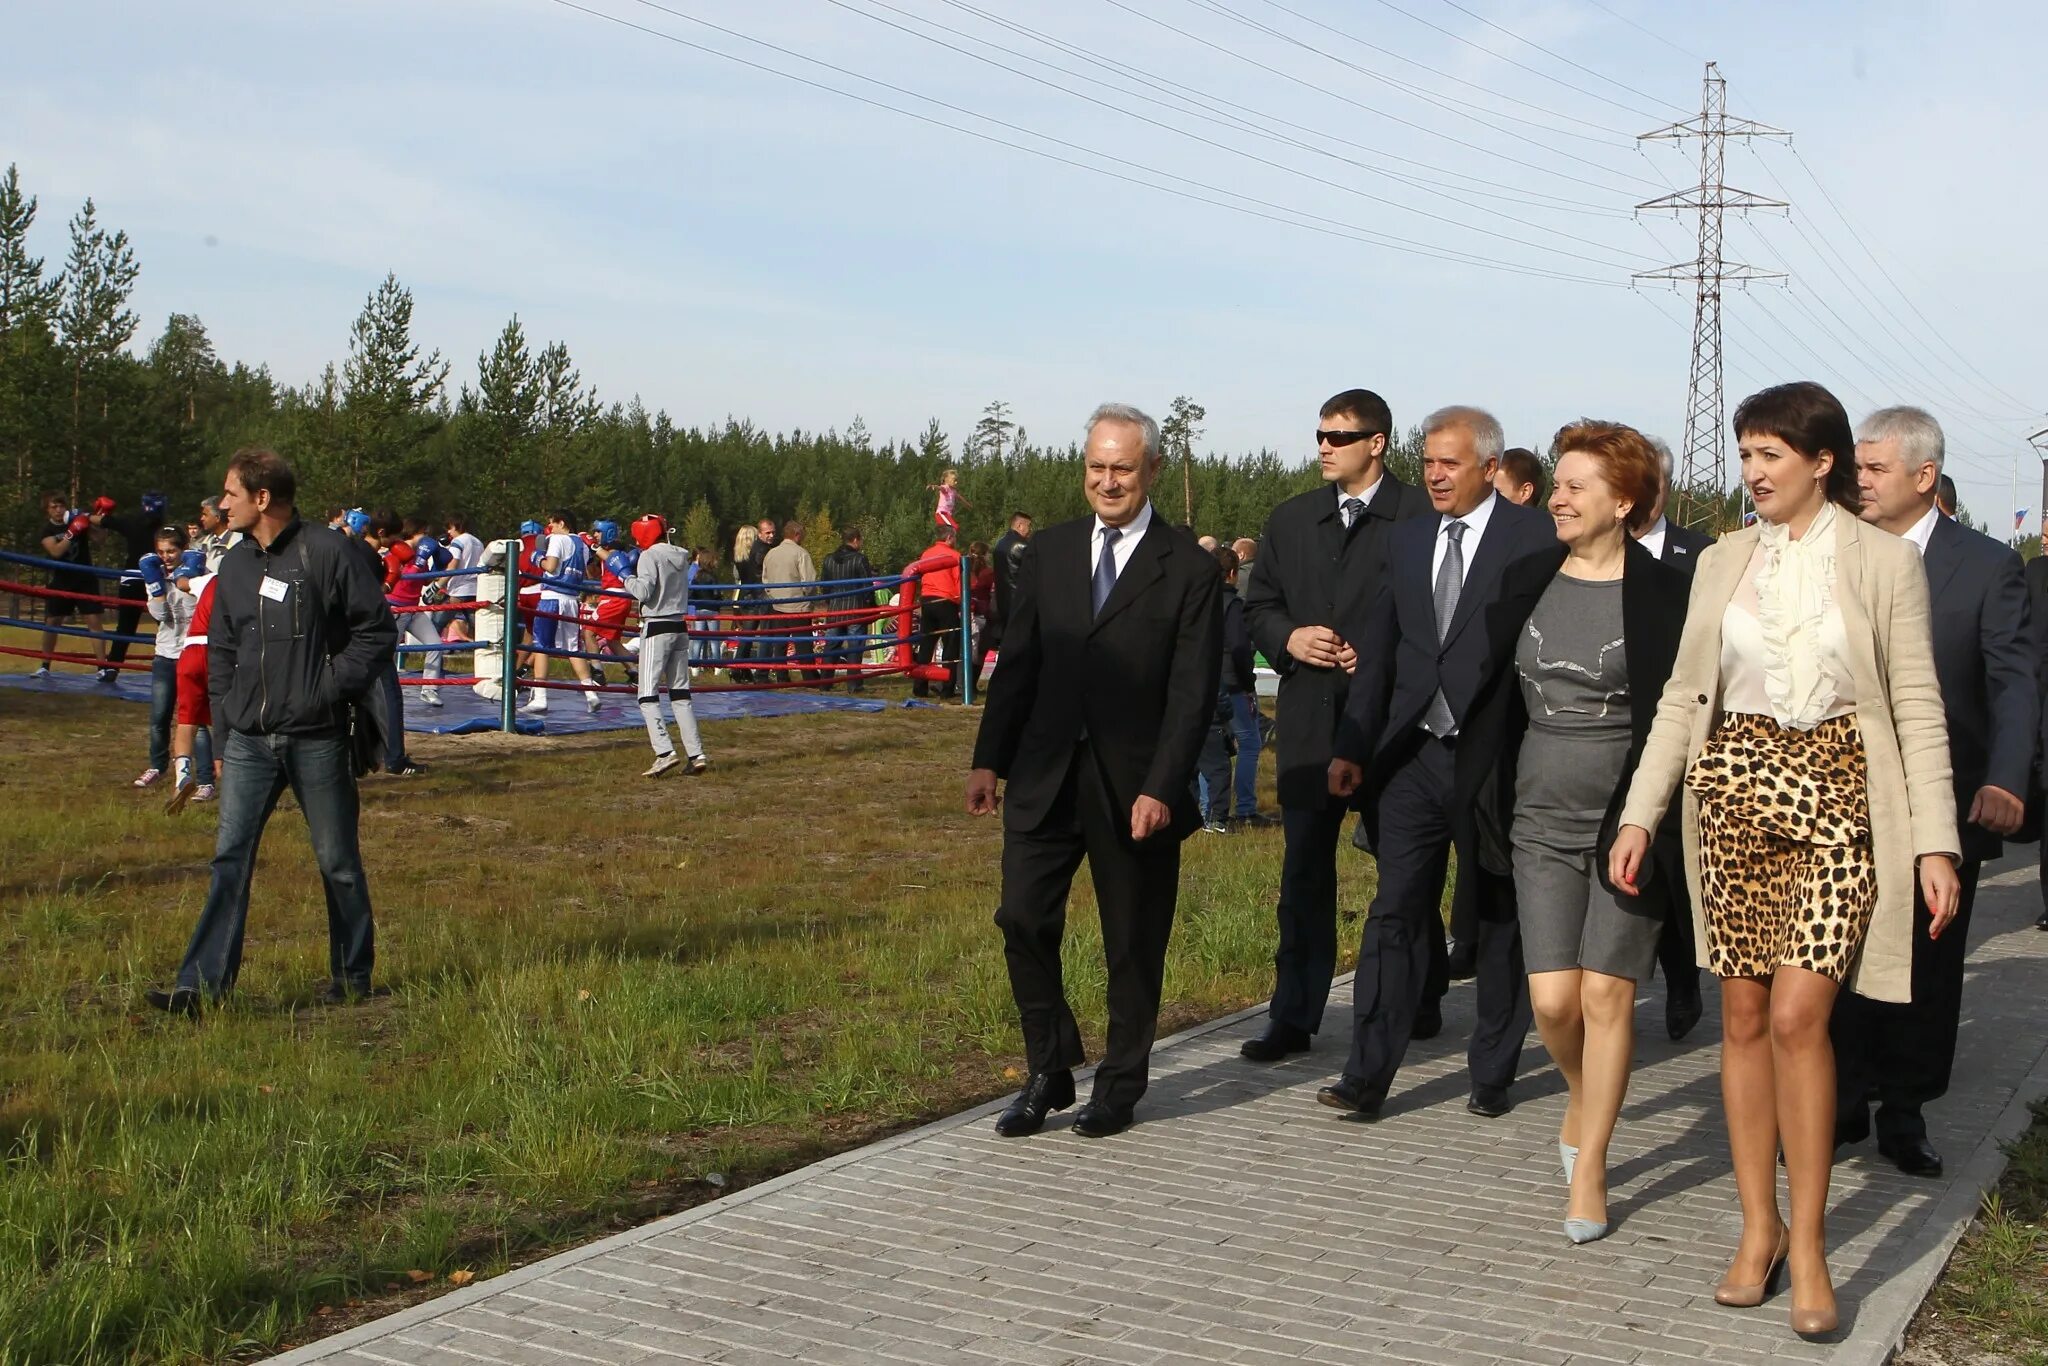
[508,641]
[966,663]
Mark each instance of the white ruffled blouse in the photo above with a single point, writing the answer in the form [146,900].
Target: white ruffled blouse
[1784,653]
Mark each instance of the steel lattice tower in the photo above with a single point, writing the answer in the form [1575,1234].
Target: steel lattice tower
[1701,476]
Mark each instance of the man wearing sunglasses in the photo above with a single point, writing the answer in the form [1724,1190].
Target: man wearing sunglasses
[1307,600]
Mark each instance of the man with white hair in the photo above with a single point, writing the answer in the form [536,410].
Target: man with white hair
[1987,658]
[1679,547]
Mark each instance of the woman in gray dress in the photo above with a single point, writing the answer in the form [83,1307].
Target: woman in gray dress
[1590,662]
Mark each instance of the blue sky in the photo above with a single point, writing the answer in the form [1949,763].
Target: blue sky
[719,240]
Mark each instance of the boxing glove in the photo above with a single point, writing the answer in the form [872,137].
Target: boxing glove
[191,565]
[78,524]
[102,505]
[622,563]
[153,580]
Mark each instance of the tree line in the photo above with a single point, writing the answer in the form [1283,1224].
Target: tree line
[85,410]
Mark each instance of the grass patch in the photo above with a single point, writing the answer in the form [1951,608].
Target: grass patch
[1991,1303]
[610,999]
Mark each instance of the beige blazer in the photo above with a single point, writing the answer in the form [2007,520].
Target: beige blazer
[1881,588]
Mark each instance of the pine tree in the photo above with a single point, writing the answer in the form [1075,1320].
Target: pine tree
[700,528]
[95,322]
[992,433]
[29,362]
[389,391]
[24,292]
[1178,434]
[184,365]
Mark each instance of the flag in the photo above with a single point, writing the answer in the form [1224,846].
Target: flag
[2019,518]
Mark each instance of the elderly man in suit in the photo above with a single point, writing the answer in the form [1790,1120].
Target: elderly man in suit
[1986,657]
[1442,635]
[1095,719]
[1679,547]
[1307,602]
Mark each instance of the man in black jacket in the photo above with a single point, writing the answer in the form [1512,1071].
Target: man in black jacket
[848,565]
[2037,602]
[1987,658]
[1095,718]
[137,528]
[1442,633]
[1678,958]
[1008,557]
[1307,601]
[300,632]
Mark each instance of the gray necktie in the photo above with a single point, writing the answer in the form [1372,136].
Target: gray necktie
[1105,567]
[1354,508]
[1450,581]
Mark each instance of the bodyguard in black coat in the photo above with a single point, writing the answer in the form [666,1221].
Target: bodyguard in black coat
[2037,602]
[1443,643]
[1987,658]
[1308,603]
[1095,718]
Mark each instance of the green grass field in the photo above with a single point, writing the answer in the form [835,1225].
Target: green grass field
[609,999]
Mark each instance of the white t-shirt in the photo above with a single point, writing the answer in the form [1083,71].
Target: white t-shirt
[465,552]
[570,555]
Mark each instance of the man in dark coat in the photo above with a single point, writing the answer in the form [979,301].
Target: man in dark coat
[1095,771]
[1988,660]
[1307,601]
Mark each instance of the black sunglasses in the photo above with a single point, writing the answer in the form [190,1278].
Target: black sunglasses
[1342,438]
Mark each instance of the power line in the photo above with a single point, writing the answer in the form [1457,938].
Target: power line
[1681,51]
[1200,192]
[1449,221]
[1559,56]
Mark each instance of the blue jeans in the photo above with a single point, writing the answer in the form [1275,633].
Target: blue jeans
[394,702]
[1214,786]
[163,709]
[1244,721]
[255,770]
[846,642]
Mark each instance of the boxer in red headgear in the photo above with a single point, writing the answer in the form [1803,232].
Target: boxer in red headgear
[661,582]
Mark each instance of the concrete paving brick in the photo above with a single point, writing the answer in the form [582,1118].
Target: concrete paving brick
[1241,1223]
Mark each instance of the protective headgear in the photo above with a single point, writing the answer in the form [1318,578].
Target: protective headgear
[649,530]
[529,527]
[607,533]
[191,564]
[357,520]
[152,505]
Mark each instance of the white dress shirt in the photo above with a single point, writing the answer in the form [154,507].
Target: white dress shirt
[1475,526]
[1653,539]
[1127,544]
[1365,497]
[1922,531]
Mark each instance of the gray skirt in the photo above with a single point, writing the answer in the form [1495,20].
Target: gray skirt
[1568,919]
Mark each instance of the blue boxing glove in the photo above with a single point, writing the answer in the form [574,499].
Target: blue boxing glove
[622,563]
[426,555]
[153,578]
[191,565]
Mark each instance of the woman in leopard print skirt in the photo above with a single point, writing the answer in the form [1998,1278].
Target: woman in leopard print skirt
[1804,719]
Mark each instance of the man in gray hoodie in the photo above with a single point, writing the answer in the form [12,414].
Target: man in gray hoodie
[660,581]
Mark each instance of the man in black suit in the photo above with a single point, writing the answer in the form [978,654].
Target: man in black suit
[2037,602]
[1442,640]
[1308,599]
[1679,547]
[1008,556]
[1095,718]
[1987,658]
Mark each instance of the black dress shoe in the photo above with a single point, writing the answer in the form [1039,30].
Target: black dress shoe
[1851,1127]
[1682,1006]
[1489,1102]
[1912,1154]
[2042,923]
[1100,1119]
[1349,1094]
[1429,1022]
[1463,959]
[1044,1092]
[177,1001]
[1277,1042]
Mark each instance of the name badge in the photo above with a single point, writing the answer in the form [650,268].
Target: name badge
[274,589]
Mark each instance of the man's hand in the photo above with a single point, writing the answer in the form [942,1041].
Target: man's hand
[1941,889]
[1345,777]
[1997,810]
[1149,816]
[1316,646]
[982,797]
[1347,659]
[1625,860]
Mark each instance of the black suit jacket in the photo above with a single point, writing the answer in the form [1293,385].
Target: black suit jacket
[1399,676]
[1987,658]
[1682,546]
[1137,682]
[1311,572]
[1653,602]
[1008,555]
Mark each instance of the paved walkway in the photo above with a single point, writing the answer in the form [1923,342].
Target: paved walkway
[1240,1222]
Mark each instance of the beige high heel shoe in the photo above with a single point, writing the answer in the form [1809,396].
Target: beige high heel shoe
[1750,1296]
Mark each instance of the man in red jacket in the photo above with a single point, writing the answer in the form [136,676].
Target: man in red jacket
[938,594]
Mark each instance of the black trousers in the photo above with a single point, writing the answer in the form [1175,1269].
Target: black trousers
[1307,957]
[941,624]
[126,618]
[1903,1052]
[1676,953]
[1136,887]
[1394,958]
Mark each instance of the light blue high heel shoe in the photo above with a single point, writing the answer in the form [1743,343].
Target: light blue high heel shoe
[1583,1231]
[1568,1158]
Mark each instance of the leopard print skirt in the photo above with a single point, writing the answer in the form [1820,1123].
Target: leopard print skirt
[1787,878]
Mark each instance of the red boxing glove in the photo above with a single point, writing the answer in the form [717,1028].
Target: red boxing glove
[102,505]
[80,524]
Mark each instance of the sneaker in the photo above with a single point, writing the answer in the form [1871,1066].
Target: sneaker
[431,696]
[149,777]
[1215,828]
[42,672]
[184,792]
[597,674]
[662,764]
[203,793]
[592,701]
[698,764]
[108,676]
[537,703]
[407,769]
